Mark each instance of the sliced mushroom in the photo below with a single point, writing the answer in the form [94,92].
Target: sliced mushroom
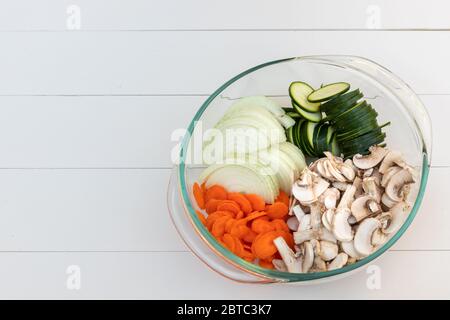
[371,160]
[387,201]
[341,186]
[293,223]
[302,190]
[330,197]
[348,171]
[305,223]
[315,216]
[349,248]
[319,264]
[388,175]
[391,158]
[378,238]
[360,207]
[298,212]
[370,187]
[325,221]
[308,259]
[399,214]
[326,235]
[397,182]
[304,235]
[363,236]
[338,262]
[347,197]
[288,256]
[337,175]
[279,265]
[328,250]
[342,229]
[367,173]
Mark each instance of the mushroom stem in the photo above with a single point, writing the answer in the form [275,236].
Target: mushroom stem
[288,256]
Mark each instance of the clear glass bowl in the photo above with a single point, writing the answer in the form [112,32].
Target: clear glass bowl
[409,132]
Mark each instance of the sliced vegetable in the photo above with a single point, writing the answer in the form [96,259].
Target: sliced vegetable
[314,116]
[299,91]
[328,92]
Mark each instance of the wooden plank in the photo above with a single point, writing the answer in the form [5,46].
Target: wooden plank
[121,132]
[125,210]
[233,14]
[104,63]
[182,276]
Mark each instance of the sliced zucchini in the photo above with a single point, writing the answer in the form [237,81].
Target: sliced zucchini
[311,116]
[310,129]
[331,105]
[293,114]
[328,92]
[299,91]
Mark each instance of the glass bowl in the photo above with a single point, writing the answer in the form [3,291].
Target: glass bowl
[409,132]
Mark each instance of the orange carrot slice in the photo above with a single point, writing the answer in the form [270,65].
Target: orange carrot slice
[239,229]
[250,236]
[230,223]
[254,215]
[261,225]
[214,216]
[263,246]
[211,205]
[240,215]
[256,201]
[283,197]
[277,210]
[241,200]
[266,264]
[229,242]
[239,248]
[216,192]
[280,225]
[218,228]
[198,195]
[228,205]
[201,217]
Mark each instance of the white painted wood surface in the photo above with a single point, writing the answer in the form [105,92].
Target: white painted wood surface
[86,117]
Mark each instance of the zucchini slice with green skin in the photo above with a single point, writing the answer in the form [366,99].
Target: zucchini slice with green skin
[328,92]
[289,134]
[310,128]
[311,116]
[299,91]
[330,106]
[293,114]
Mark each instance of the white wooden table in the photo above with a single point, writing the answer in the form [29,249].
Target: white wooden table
[90,91]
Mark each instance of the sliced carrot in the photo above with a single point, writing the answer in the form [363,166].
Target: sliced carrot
[263,246]
[203,186]
[283,197]
[241,200]
[230,223]
[229,205]
[266,264]
[240,215]
[239,248]
[211,205]
[201,217]
[250,236]
[216,192]
[239,229]
[214,216]
[198,195]
[287,236]
[256,201]
[277,210]
[229,242]
[247,254]
[218,228]
[261,225]
[255,214]
[280,225]
[247,246]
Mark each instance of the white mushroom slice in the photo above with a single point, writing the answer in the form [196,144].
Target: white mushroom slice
[376,175]
[385,219]
[387,201]
[326,235]
[399,214]
[338,262]
[388,175]
[319,186]
[363,236]
[304,235]
[360,207]
[319,265]
[347,171]
[378,238]
[334,172]
[347,197]
[374,207]
[397,182]
[298,212]
[341,186]
[279,265]
[315,216]
[328,250]
[370,187]
[329,214]
[305,223]
[351,260]
[371,160]
[330,198]
[308,255]
[352,220]
[288,256]
[342,229]
[302,190]
[326,223]
[358,185]
[349,248]
[392,158]
[367,173]
[322,169]
[293,223]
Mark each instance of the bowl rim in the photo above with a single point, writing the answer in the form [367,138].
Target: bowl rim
[276,275]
